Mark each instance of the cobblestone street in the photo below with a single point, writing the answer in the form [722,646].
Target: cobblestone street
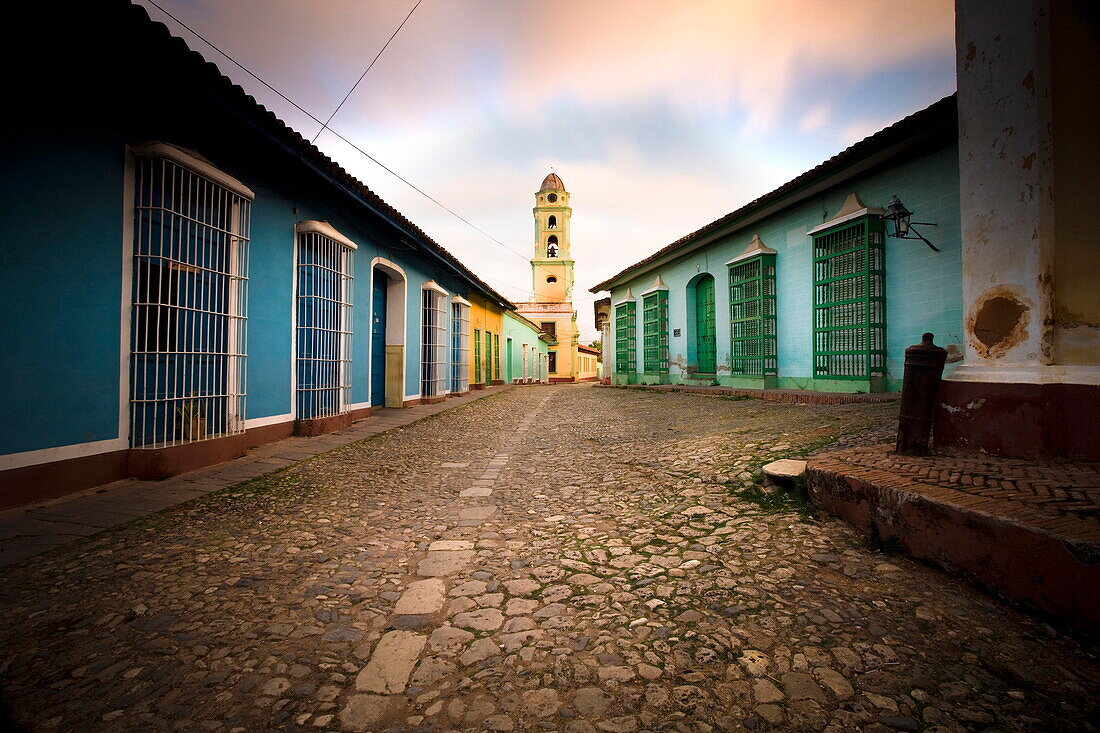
[491,568]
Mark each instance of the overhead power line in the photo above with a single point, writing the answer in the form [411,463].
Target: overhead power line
[355,147]
[364,74]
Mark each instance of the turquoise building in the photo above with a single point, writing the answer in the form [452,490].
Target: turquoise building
[525,351]
[806,287]
[186,276]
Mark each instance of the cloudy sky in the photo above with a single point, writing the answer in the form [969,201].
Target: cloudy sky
[658,116]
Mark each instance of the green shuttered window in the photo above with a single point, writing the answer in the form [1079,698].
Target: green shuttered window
[752,317]
[477,356]
[850,301]
[626,338]
[655,332]
[496,356]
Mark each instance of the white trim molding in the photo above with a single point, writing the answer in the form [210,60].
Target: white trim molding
[325,230]
[462,301]
[62,453]
[658,284]
[193,162]
[433,285]
[756,247]
[359,406]
[627,297]
[260,422]
[853,208]
[1026,374]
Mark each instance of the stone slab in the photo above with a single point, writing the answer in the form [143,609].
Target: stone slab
[393,660]
[476,491]
[422,597]
[442,564]
[477,512]
[449,545]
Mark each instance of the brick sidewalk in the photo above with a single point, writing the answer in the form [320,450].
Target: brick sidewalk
[29,530]
[1027,529]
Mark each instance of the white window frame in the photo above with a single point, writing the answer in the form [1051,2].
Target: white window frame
[322,332]
[433,340]
[460,344]
[188,329]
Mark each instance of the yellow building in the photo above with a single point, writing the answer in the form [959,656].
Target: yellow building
[486,328]
[551,305]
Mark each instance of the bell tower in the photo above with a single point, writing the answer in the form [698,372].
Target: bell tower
[552,263]
[551,305]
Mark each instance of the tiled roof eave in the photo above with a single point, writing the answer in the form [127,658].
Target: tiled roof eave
[854,160]
[240,102]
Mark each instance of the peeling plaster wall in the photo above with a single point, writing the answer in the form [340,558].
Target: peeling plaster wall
[1006,178]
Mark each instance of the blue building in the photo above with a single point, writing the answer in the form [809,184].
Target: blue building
[805,287]
[186,276]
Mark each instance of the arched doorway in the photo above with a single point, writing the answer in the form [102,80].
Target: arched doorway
[702,344]
[387,339]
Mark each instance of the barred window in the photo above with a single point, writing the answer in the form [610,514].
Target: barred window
[655,332]
[496,356]
[433,341]
[477,356]
[488,354]
[460,345]
[626,337]
[323,304]
[189,296]
[753,345]
[850,301]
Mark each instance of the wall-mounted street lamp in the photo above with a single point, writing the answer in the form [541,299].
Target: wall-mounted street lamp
[897,213]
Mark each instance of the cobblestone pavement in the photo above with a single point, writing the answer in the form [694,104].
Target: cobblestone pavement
[494,569]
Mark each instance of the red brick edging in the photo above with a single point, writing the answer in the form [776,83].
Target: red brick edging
[1042,558]
[799,396]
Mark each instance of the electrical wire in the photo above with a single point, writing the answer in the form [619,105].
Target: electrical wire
[364,74]
[355,147]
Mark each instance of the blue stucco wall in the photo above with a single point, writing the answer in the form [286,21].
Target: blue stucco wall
[924,288]
[61,307]
[62,302]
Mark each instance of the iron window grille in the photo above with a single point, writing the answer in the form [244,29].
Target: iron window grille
[552,362]
[477,356]
[433,343]
[189,289]
[626,337]
[850,301]
[488,354]
[496,356]
[323,319]
[460,347]
[753,343]
[655,332]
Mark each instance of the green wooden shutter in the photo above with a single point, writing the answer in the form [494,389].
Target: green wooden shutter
[655,332]
[705,343]
[488,357]
[496,356]
[625,338]
[477,355]
[850,301]
[753,344]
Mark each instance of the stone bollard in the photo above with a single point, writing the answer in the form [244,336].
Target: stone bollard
[920,385]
